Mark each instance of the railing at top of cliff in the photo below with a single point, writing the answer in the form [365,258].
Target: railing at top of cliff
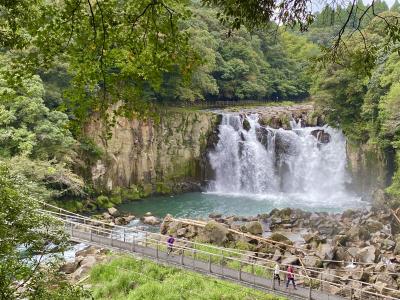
[227,103]
[126,234]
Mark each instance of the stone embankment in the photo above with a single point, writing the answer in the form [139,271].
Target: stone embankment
[355,245]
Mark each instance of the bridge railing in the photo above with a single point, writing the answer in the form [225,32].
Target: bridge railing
[231,258]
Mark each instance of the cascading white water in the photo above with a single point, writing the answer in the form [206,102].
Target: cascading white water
[280,165]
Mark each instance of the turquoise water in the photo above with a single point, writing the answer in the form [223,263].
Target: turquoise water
[200,205]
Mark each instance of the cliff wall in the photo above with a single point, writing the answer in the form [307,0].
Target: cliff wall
[148,156]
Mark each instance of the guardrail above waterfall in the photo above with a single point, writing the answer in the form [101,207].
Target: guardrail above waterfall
[226,103]
[232,264]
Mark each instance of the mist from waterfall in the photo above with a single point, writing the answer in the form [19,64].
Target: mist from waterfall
[280,165]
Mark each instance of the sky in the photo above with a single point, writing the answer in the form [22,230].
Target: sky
[317,5]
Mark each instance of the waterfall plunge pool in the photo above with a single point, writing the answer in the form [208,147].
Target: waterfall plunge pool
[258,168]
[200,205]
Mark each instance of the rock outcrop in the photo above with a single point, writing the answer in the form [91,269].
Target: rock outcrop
[153,156]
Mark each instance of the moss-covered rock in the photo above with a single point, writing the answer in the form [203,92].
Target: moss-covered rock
[254,227]
[103,201]
[164,188]
[278,237]
[131,194]
[214,232]
[71,205]
[246,124]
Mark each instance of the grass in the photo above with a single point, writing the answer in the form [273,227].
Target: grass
[127,278]
[228,260]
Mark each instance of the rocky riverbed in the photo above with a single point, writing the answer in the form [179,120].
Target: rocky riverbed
[361,245]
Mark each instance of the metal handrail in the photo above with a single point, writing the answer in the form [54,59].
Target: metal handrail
[156,242]
[153,241]
[226,250]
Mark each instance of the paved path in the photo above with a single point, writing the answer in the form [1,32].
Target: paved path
[200,266]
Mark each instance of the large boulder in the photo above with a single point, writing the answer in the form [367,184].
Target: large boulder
[312,261]
[113,211]
[278,237]
[69,267]
[374,226]
[358,232]
[151,220]
[89,250]
[326,251]
[214,232]
[254,227]
[166,223]
[290,260]
[387,280]
[88,262]
[367,254]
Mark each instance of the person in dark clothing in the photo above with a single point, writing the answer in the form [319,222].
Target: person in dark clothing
[290,277]
[170,244]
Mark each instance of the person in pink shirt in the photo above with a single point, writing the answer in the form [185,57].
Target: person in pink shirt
[290,277]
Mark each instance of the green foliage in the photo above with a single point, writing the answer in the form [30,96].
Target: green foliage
[113,49]
[26,238]
[128,278]
[27,126]
[364,102]
[242,65]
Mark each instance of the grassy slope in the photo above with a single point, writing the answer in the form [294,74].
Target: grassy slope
[126,278]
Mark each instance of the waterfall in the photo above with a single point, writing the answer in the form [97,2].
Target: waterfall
[306,164]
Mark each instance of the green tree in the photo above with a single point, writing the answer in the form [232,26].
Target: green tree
[27,126]
[28,238]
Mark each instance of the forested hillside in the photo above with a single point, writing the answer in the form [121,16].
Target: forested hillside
[364,99]
[264,64]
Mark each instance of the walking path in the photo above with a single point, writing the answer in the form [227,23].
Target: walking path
[206,259]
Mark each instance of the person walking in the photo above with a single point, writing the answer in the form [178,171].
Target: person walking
[170,244]
[276,273]
[290,277]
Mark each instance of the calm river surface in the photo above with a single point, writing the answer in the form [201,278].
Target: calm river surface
[200,205]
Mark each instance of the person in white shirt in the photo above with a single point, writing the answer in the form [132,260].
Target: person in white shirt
[276,273]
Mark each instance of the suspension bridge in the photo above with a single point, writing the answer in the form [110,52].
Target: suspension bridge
[230,264]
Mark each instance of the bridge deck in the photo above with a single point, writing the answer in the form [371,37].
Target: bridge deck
[217,270]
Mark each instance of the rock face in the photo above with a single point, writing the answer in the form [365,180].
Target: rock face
[153,156]
[368,167]
[322,136]
[280,116]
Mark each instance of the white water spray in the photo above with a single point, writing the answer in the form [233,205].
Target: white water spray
[280,165]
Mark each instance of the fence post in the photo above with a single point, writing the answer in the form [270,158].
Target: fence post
[309,291]
[273,282]
[145,239]
[209,263]
[124,235]
[240,271]
[112,237]
[182,254]
[157,249]
[351,293]
[91,234]
[222,263]
[252,272]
